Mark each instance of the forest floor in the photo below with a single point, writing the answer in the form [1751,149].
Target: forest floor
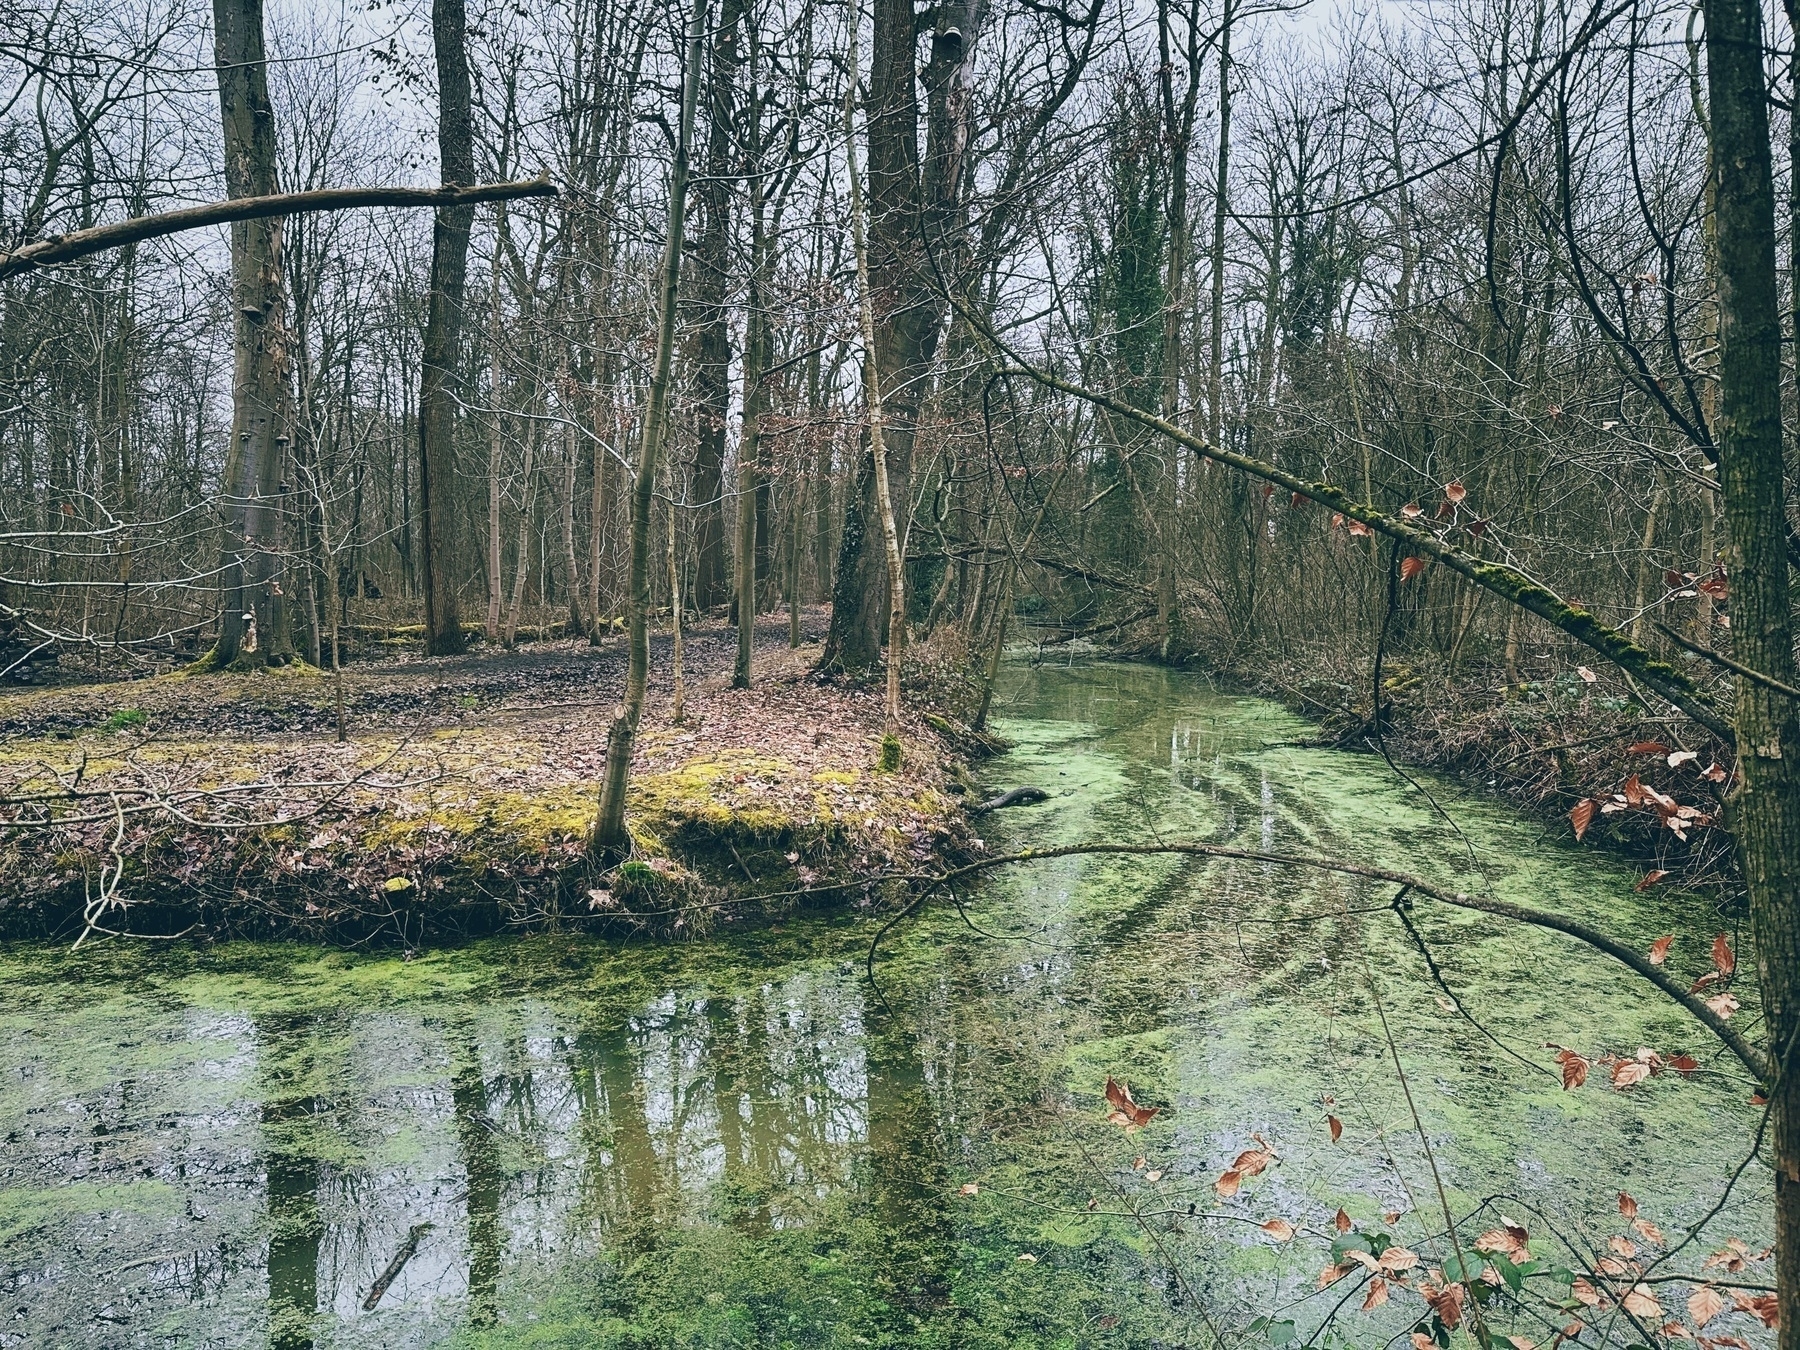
[459,804]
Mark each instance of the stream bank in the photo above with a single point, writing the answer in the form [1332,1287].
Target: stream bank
[223,806]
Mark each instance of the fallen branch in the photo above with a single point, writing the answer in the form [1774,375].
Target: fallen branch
[1502,579]
[62,248]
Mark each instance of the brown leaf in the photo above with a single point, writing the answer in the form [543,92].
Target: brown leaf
[1455,491]
[1574,1069]
[1420,1341]
[1627,1206]
[1649,1232]
[1629,1073]
[1342,1221]
[1153,1176]
[1447,1304]
[969,1188]
[1723,1005]
[1378,1294]
[1624,1246]
[1641,1302]
[1390,1217]
[1396,1259]
[1582,816]
[1336,1127]
[1279,1229]
[1585,1292]
[1704,1304]
[1723,957]
[1650,879]
[1411,567]
[1227,1184]
[1521,1343]
[1412,510]
[1683,1064]
[1252,1161]
[1125,1111]
[1649,748]
[1332,1274]
[1763,1307]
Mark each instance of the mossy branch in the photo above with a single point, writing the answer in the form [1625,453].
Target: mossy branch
[1507,582]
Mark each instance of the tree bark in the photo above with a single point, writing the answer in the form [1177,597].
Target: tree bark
[908,305]
[443,333]
[1765,808]
[711,277]
[261,400]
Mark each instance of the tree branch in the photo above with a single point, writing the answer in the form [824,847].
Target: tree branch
[63,248]
[1752,1058]
[1507,582]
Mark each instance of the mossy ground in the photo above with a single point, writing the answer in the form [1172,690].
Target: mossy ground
[471,819]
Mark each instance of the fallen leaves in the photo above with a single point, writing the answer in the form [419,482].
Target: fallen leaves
[1640,1301]
[1126,1112]
[968,1188]
[1336,1127]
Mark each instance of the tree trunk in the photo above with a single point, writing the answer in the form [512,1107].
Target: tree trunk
[443,331]
[254,468]
[711,277]
[884,495]
[908,314]
[1765,808]
[609,834]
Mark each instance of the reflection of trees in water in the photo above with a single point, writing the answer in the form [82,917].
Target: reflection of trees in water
[759,1094]
[291,1169]
[908,1179]
[484,1179]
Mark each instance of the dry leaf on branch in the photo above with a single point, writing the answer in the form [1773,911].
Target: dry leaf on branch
[1704,1304]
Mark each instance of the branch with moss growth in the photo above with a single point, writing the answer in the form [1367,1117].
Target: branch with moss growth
[1507,582]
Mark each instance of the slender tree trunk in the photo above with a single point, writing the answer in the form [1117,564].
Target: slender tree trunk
[495,441]
[565,515]
[890,533]
[609,834]
[522,560]
[678,705]
[710,271]
[1765,808]
[1215,375]
[443,330]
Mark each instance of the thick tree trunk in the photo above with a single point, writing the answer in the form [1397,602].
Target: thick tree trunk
[609,834]
[261,398]
[1765,808]
[908,314]
[443,330]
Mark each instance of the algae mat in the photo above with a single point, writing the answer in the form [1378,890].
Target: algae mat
[562,1142]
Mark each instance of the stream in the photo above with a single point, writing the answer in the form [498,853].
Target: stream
[574,1142]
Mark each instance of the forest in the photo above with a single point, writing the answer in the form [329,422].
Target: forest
[990,673]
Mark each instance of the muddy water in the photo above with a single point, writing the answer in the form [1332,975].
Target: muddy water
[573,1143]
